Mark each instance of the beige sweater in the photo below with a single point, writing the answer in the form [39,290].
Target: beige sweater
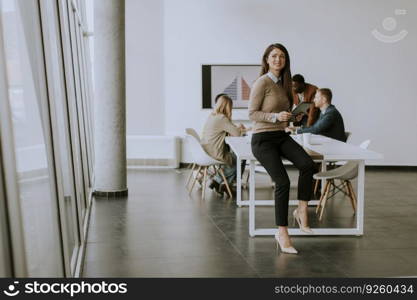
[215,130]
[266,99]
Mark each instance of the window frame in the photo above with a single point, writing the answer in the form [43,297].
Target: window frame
[72,257]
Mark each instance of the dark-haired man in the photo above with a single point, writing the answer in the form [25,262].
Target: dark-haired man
[304,92]
[330,122]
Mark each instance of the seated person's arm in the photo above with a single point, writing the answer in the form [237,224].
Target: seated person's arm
[320,126]
[232,129]
[245,129]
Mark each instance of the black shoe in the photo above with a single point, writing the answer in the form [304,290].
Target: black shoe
[214,185]
[223,189]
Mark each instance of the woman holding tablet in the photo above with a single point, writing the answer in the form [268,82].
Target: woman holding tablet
[270,102]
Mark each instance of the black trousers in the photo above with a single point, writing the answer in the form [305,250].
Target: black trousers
[269,148]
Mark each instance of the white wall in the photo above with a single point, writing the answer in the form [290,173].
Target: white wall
[330,42]
[144,67]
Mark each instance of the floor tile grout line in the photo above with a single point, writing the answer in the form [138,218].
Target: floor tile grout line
[231,243]
[234,247]
[330,262]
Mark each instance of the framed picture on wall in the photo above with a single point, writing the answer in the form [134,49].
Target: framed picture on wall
[233,80]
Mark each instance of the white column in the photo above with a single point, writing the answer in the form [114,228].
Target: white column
[110,97]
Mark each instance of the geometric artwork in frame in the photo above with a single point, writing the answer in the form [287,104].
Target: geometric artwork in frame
[233,80]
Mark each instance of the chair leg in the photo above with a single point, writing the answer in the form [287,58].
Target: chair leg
[345,191]
[316,186]
[194,180]
[352,196]
[245,186]
[325,199]
[346,187]
[322,196]
[203,189]
[189,177]
[226,183]
[333,186]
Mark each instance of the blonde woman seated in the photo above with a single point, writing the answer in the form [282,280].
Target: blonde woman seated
[217,127]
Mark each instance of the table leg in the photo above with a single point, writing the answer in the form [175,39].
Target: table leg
[323,181]
[238,182]
[360,206]
[252,198]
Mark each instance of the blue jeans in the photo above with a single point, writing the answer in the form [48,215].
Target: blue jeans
[229,171]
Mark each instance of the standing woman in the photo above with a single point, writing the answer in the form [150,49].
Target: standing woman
[270,101]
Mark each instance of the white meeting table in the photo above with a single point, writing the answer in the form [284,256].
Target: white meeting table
[321,149]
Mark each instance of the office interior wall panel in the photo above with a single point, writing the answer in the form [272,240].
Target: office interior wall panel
[145,112]
[330,42]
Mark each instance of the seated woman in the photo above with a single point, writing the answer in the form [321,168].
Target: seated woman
[217,127]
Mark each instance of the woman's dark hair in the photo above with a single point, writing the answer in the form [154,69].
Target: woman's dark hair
[285,73]
[298,78]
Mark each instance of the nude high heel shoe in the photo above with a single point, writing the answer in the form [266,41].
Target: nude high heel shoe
[297,218]
[290,250]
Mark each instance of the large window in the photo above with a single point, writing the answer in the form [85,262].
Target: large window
[37,201]
[59,108]
[45,85]
[5,266]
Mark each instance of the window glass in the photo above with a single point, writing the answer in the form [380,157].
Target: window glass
[39,211]
[58,96]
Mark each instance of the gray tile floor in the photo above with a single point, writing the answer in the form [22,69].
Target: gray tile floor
[161,231]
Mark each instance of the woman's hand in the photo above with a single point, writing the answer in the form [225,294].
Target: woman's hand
[299,117]
[291,129]
[284,116]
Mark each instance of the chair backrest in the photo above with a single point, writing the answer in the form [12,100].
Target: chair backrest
[193,133]
[347,135]
[365,144]
[200,157]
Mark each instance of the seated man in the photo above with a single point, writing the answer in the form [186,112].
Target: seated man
[304,92]
[330,122]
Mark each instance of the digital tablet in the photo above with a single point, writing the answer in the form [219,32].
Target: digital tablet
[301,108]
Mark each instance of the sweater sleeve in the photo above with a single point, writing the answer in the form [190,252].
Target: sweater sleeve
[257,96]
[231,128]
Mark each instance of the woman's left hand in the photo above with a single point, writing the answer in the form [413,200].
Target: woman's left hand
[291,129]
